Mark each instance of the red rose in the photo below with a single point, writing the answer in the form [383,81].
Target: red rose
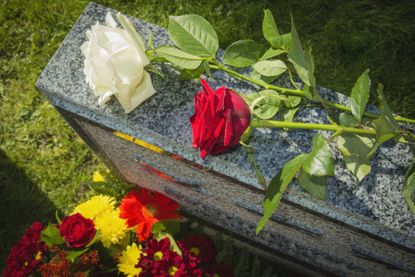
[220,119]
[77,230]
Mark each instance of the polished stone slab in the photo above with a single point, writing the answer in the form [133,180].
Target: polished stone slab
[375,206]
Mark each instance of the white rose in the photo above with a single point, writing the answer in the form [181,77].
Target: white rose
[114,63]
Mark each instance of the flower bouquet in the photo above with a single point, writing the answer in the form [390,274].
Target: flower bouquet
[101,238]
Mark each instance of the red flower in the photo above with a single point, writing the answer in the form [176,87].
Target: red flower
[144,208]
[220,119]
[155,257]
[77,230]
[159,260]
[197,248]
[27,254]
[220,270]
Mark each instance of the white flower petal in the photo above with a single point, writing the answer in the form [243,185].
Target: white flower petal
[109,20]
[105,97]
[135,37]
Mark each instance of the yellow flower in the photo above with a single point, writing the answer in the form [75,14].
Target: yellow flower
[128,260]
[95,206]
[98,178]
[112,228]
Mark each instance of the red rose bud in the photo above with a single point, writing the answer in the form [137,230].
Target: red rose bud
[220,119]
[77,230]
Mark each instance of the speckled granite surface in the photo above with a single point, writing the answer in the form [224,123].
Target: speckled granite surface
[375,205]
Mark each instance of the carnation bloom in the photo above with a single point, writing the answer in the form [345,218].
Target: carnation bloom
[144,208]
[112,228]
[27,254]
[220,119]
[128,261]
[95,206]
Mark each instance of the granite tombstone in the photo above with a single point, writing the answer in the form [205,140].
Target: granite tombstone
[361,229]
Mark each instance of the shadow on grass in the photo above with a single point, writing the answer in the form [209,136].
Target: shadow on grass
[21,204]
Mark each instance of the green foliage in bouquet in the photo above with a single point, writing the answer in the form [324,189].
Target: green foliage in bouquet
[358,133]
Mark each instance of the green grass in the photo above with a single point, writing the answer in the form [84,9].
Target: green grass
[44,165]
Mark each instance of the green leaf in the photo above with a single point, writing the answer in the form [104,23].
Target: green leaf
[297,57]
[384,107]
[409,187]
[271,53]
[179,58]
[151,68]
[247,134]
[287,41]
[72,255]
[291,101]
[58,220]
[264,80]
[319,161]
[310,65]
[249,98]
[96,238]
[270,30]
[51,236]
[189,74]
[270,68]
[161,235]
[242,53]
[251,157]
[310,92]
[170,226]
[316,186]
[355,150]
[150,44]
[276,188]
[385,125]
[194,35]
[206,68]
[289,115]
[360,95]
[266,105]
[348,120]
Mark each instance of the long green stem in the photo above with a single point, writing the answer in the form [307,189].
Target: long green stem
[265,85]
[311,126]
[296,92]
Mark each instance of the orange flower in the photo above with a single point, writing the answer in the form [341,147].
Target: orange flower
[144,208]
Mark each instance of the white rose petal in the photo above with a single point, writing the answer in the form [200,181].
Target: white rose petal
[114,63]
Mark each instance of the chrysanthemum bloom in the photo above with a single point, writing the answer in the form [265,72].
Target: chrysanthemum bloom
[113,228]
[197,248]
[27,254]
[128,261]
[159,260]
[95,206]
[144,208]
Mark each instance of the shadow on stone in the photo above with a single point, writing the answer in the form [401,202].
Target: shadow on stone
[21,204]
